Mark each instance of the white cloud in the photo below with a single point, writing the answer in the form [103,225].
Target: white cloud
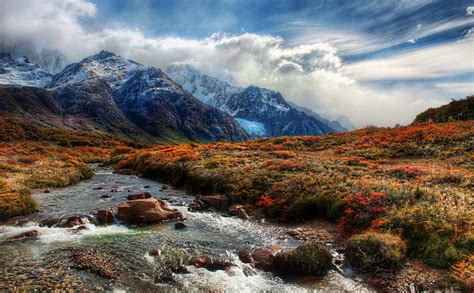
[470,10]
[466,88]
[311,73]
[432,62]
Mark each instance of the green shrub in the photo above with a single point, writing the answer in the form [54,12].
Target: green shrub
[307,259]
[373,250]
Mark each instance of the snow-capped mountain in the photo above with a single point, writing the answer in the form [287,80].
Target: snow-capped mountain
[49,59]
[21,72]
[261,112]
[147,97]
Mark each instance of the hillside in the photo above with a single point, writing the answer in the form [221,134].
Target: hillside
[462,109]
[415,181]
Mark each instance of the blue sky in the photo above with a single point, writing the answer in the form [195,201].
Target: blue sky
[376,61]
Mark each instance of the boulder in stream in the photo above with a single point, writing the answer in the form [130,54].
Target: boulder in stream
[145,211]
[25,235]
[105,216]
[219,202]
[141,195]
[261,258]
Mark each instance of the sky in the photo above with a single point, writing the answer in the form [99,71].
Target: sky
[378,62]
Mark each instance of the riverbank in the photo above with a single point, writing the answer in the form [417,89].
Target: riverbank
[412,181]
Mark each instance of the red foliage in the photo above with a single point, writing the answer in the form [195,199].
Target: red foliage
[407,171]
[266,201]
[362,209]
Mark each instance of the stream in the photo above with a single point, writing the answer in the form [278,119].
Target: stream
[46,262]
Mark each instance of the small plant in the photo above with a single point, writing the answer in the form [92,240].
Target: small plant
[362,209]
[372,251]
[307,259]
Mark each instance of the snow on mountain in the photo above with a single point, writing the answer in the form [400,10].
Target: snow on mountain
[105,65]
[248,105]
[21,72]
[49,59]
[203,87]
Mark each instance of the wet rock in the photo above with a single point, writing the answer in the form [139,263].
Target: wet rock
[71,221]
[46,191]
[209,263]
[105,216]
[105,196]
[95,261]
[98,188]
[140,175]
[219,202]
[241,213]
[180,226]
[51,221]
[154,252]
[18,221]
[124,171]
[198,206]
[142,195]
[117,190]
[261,258]
[143,211]
[164,187]
[146,186]
[234,208]
[25,235]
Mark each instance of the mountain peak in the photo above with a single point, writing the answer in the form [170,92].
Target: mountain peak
[104,54]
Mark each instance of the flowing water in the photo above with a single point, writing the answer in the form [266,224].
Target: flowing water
[46,262]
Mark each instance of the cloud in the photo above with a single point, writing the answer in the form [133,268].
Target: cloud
[433,62]
[465,88]
[311,74]
[469,10]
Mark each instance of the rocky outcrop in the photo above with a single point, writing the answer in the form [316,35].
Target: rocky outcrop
[219,202]
[145,211]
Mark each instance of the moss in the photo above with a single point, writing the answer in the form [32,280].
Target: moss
[372,250]
[307,259]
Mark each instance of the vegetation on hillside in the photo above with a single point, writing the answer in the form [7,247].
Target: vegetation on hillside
[456,110]
[413,181]
[32,157]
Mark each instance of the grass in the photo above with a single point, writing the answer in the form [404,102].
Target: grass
[413,181]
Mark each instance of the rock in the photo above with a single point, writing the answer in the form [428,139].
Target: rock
[261,258]
[46,191]
[219,202]
[106,196]
[117,190]
[234,208]
[154,252]
[146,186]
[298,234]
[140,175]
[51,221]
[142,195]
[105,216]
[124,171]
[164,187]
[209,264]
[143,211]
[307,259]
[241,213]
[71,221]
[98,188]
[23,235]
[180,225]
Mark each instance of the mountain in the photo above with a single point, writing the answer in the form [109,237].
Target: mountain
[148,98]
[462,109]
[261,112]
[21,72]
[111,94]
[49,59]
[334,124]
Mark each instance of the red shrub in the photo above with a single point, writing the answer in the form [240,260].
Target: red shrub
[362,209]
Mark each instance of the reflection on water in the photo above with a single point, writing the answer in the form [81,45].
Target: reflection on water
[46,262]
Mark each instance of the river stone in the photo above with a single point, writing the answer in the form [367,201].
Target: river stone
[23,235]
[141,195]
[219,202]
[261,258]
[143,211]
[180,225]
[105,216]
